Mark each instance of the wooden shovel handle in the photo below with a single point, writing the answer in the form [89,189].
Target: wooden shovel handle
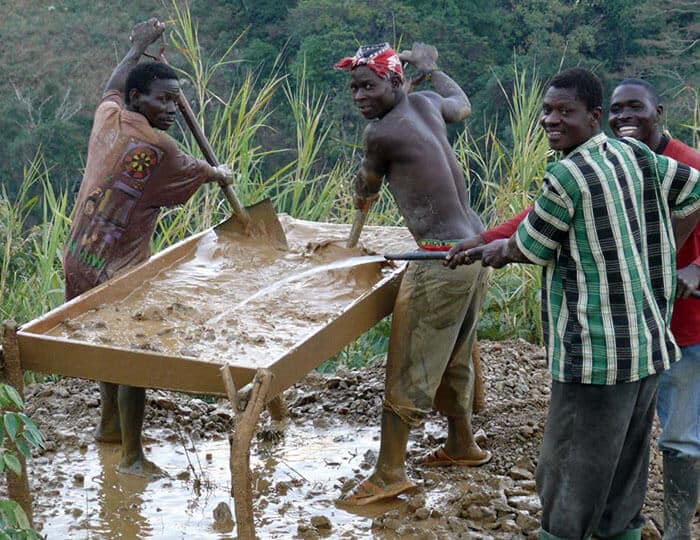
[357,225]
[207,150]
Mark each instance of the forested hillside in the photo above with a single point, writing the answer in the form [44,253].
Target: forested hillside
[56,57]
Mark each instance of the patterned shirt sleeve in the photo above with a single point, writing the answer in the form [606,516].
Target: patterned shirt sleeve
[183,174]
[541,233]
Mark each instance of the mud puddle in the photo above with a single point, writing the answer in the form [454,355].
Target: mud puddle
[329,445]
[296,479]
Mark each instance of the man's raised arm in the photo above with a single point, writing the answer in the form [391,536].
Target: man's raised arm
[142,35]
[455,105]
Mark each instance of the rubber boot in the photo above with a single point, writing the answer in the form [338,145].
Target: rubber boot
[681,477]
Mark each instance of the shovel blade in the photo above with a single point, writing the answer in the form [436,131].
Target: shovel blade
[263,223]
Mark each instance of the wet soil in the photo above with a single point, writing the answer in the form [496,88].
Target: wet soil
[218,296]
[328,444]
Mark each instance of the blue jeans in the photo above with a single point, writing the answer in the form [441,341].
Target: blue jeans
[678,405]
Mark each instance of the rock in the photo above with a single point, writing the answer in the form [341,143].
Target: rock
[391,523]
[432,477]
[528,485]
[456,524]
[517,490]
[425,534]
[223,518]
[321,523]
[527,522]
[529,503]
[525,463]
[416,502]
[308,533]
[436,513]
[507,525]
[406,531]
[164,403]
[518,473]
[650,532]
[422,513]
[474,512]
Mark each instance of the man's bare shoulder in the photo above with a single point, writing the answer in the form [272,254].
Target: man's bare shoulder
[384,132]
[425,99]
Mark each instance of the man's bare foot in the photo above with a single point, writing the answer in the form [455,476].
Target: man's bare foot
[108,433]
[141,467]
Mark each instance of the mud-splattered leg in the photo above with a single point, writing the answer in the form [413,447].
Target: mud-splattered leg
[132,404]
[108,430]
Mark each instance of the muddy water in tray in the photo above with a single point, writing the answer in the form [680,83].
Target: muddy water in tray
[239,300]
[294,479]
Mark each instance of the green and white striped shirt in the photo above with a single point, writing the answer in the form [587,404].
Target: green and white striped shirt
[601,228]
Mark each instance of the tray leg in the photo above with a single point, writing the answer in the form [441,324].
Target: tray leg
[246,422]
[11,373]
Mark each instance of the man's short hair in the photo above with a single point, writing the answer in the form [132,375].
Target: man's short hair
[644,84]
[142,76]
[588,87]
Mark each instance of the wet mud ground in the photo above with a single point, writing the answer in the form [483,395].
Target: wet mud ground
[328,444]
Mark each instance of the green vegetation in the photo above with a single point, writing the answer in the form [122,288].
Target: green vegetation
[21,432]
[57,56]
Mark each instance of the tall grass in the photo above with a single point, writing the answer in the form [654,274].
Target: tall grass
[31,277]
[506,180]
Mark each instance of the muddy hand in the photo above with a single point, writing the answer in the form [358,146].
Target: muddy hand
[421,56]
[458,253]
[145,33]
[223,174]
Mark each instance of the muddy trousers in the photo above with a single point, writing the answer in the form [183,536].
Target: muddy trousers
[594,461]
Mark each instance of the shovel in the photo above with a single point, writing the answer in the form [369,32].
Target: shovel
[357,224]
[259,218]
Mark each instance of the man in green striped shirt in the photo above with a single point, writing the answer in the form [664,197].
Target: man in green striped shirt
[601,228]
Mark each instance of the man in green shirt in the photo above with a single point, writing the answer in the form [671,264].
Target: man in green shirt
[601,228]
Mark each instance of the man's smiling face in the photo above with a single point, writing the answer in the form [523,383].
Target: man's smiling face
[566,120]
[633,113]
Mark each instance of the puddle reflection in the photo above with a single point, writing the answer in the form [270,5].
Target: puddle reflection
[294,479]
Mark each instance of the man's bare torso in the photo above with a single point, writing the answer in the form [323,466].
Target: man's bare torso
[411,146]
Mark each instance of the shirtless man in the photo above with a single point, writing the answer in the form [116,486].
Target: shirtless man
[434,322]
[132,171]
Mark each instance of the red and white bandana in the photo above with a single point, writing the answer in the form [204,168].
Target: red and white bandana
[380,58]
